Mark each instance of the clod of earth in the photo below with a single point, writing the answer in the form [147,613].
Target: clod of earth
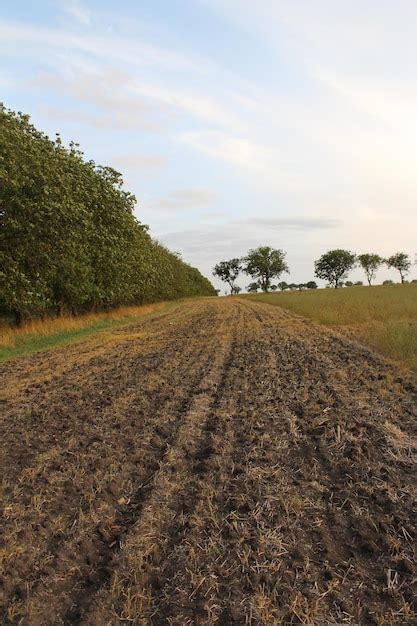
[226,463]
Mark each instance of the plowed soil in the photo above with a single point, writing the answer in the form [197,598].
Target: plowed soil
[223,463]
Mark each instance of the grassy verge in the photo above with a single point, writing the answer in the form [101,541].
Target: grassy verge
[39,335]
[384,316]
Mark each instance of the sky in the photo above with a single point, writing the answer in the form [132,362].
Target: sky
[289,123]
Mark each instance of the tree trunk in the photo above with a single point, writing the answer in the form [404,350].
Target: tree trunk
[18,317]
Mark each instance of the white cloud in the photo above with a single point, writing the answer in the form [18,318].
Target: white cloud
[118,120]
[105,47]
[77,11]
[225,146]
[197,105]
[139,161]
[248,232]
[209,243]
[320,121]
[182,199]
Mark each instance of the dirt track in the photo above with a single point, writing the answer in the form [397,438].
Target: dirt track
[224,463]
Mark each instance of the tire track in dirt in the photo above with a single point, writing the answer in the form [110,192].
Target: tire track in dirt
[173,498]
[269,468]
[105,371]
[158,403]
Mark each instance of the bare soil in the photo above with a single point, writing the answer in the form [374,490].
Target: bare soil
[223,463]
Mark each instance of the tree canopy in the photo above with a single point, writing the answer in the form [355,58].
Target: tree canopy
[228,271]
[370,262]
[263,264]
[334,266]
[68,236]
[401,262]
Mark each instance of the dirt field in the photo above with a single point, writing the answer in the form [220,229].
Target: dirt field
[223,463]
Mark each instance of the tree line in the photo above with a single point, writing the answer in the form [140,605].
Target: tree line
[264,264]
[68,238]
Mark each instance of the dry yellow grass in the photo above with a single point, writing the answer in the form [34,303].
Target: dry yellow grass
[41,334]
[384,316]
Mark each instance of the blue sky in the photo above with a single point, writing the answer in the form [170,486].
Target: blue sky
[289,123]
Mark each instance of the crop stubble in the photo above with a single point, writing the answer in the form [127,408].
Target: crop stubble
[223,463]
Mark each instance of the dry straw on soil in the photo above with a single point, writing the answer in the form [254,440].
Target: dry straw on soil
[225,463]
[384,316]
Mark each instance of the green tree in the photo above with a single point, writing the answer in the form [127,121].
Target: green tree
[311,284]
[264,264]
[228,271]
[283,285]
[401,262]
[370,262]
[68,238]
[252,287]
[334,266]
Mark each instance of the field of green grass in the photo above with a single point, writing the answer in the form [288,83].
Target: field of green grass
[384,316]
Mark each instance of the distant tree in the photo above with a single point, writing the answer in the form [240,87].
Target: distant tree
[388,282]
[292,286]
[370,263]
[311,284]
[274,287]
[334,265]
[283,285]
[264,264]
[358,283]
[236,290]
[348,283]
[252,287]
[228,271]
[401,262]
[301,286]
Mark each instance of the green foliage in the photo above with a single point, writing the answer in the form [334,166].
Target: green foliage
[68,236]
[264,264]
[228,271]
[252,287]
[401,262]
[311,284]
[370,262]
[334,266]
